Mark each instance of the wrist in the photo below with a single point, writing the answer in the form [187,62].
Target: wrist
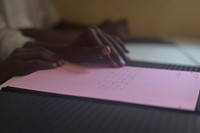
[2,75]
[29,44]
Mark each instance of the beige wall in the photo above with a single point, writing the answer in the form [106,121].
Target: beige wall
[146,17]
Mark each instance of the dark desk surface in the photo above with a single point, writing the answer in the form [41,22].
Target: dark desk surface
[25,113]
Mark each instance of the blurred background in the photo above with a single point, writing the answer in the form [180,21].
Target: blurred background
[152,18]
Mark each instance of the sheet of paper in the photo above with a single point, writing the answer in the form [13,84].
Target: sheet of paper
[154,87]
[159,53]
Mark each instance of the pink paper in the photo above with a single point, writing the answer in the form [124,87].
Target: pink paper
[154,87]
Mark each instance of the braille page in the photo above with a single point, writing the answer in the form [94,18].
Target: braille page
[154,87]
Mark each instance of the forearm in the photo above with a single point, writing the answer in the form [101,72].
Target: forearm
[4,75]
[70,26]
[58,48]
[10,40]
[2,79]
[51,36]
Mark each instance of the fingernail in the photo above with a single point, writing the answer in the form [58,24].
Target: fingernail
[115,65]
[123,62]
[54,65]
[106,50]
[61,62]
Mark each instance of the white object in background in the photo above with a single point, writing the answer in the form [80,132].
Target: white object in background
[158,53]
[192,51]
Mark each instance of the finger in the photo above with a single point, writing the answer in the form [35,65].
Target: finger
[109,59]
[117,46]
[125,51]
[89,54]
[41,54]
[116,56]
[95,52]
[114,53]
[121,44]
[39,50]
[34,65]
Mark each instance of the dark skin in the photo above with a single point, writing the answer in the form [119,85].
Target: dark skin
[51,36]
[89,45]
[93,44]
[67,31]
[24,61]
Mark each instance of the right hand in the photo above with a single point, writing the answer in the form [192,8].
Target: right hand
[23,61]
[94,44]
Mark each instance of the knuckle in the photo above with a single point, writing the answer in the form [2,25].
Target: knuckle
[119,39]
[35,63]
[16,63]
[17,57]
[90,31]
[42,52]
[116,37]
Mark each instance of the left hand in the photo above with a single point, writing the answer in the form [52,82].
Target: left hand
[23,61]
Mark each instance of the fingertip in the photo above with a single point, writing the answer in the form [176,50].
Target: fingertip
[121,63]
[106,50]
[94,26]
[61,62]
[115,65]
[54,65]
